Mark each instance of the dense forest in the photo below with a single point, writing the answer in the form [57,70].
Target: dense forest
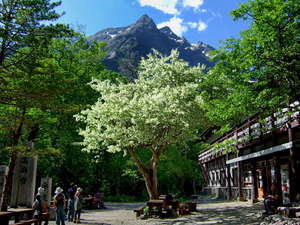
[94,127]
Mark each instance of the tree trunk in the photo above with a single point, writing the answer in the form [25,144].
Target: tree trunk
[8,183]
[150,185]
[149,174]
[12,163]
[194,187]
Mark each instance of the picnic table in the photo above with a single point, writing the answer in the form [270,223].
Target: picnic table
[4,217]
[158,204]
[162,205]
[17,214]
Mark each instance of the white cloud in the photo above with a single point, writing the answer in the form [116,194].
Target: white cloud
[193,3]
[193,24]
[202,26]
[167,6]
[175,24]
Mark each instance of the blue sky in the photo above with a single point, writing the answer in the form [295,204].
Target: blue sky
[196,20]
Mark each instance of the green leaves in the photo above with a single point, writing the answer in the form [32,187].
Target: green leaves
[260,71]
[23,23]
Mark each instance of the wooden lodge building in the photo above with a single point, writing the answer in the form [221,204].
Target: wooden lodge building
[260,152]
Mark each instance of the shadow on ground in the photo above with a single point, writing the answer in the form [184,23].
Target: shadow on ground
[210,211]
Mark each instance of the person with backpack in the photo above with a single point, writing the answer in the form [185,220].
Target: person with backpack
[40,207]
[59,202]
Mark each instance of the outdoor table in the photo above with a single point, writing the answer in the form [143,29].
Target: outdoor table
[17,213]
[155,203]
[4,217]
[87,202]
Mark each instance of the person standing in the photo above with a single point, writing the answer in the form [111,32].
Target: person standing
[78,205]
[38,210]
[59,202]
[41,206]
[71,195]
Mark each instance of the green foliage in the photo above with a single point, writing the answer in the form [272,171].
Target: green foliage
[260,71]
[78,61]
[52,87]
[25,23]
[177,176]
[225,146]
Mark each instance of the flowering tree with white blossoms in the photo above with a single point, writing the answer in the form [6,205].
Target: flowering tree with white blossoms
[161,108]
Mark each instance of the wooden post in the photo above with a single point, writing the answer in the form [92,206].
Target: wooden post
[293,165]
[254,182]
[239,171]
[206,176]
[229,196]
[240,177]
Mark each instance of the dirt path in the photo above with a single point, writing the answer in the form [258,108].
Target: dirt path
[208,212]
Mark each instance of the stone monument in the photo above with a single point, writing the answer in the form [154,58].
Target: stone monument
[23,189]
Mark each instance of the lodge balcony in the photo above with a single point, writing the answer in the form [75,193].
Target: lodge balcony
[259,152]
[255,130]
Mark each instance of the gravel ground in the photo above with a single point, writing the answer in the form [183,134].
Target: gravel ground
[208,212]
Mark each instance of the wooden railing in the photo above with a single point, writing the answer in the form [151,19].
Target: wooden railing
[254,128]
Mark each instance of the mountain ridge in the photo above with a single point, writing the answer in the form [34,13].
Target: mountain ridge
[127,45]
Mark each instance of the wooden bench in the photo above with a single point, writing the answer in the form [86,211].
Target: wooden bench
[18,213]
[289,212]
[4,217]
[28,222]
[139,211]
[158,204]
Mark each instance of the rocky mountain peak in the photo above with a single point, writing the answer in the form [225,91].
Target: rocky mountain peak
[145,19]
[146,22]
[127,45]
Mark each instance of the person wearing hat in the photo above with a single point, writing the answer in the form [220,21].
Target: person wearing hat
[78,205]
[59,202]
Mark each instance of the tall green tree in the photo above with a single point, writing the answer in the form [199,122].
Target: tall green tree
[81,61]
[24,34]
[159,109]
[23,23]
[260,71]
[45,91]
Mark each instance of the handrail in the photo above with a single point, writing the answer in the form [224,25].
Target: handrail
[254,128]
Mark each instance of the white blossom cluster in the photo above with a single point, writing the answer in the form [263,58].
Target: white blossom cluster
[162,107]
